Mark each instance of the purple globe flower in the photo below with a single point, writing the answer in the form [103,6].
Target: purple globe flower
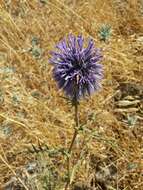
[77,68]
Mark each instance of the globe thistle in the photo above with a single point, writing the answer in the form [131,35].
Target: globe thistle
[77,68]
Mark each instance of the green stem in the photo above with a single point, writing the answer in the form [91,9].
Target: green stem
[72,142]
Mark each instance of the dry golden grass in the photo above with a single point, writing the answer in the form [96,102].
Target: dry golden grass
[31,110]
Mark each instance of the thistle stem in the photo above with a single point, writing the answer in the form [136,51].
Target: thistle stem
[76,118]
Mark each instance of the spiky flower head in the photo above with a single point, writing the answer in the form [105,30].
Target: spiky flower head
[77,67]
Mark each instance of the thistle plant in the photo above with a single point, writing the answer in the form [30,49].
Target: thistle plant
[105,32]
[77,70]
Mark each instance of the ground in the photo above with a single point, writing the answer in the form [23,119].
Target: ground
[37,123]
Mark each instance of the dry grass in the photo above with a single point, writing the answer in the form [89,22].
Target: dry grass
[31,110]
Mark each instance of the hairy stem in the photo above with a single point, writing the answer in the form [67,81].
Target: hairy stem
[72,142]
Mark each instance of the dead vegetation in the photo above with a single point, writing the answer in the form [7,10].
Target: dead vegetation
[36,123]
